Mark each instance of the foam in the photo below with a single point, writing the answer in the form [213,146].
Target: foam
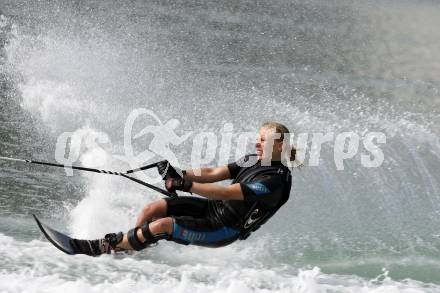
[37,266]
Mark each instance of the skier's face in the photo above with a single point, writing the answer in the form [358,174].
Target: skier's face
[269,144]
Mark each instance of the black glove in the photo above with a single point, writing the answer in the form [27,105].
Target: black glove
[183,184]
[167,171]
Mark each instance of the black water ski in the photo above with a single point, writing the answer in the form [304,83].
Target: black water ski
[58,239]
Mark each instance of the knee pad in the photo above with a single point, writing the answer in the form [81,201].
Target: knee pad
[137,244]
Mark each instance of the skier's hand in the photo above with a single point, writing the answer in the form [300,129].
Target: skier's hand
[183,184]
[167,171]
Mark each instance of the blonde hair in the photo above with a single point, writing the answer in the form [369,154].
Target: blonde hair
[282,130]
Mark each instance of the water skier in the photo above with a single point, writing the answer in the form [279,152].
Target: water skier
[260,186]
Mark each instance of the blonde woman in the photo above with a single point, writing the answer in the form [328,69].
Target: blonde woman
[260,186]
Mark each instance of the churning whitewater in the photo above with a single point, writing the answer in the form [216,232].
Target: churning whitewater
[73,74]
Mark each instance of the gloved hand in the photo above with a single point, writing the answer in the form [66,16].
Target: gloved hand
[167,171]
[183,184]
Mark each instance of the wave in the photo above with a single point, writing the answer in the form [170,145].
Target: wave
[35,267]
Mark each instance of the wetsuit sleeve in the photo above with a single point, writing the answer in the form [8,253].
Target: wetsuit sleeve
[234,168]
[266,188]
[243,162]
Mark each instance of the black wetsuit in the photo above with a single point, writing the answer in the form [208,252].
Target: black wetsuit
[217,223]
